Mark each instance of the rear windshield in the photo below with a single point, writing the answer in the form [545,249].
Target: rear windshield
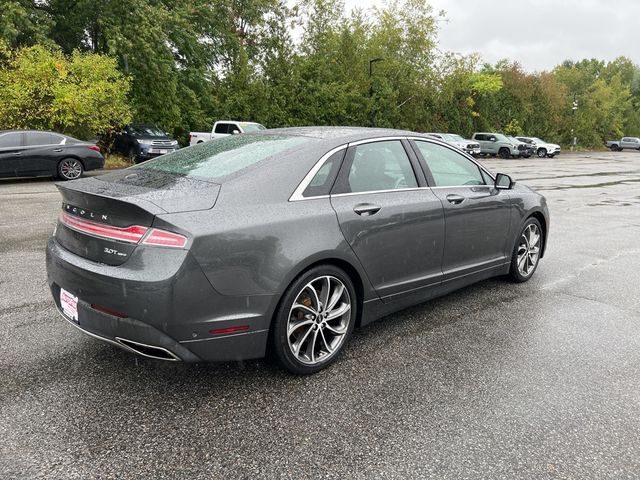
[224,156]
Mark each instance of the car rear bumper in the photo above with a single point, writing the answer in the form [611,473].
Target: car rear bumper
[170,312]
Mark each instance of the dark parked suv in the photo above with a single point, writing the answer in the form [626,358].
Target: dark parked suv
[141,142]
[32,153]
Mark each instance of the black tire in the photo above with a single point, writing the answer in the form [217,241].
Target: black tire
[504,153]
[614,148]
[280,347]
[514,272]
[542,152]
[70,169]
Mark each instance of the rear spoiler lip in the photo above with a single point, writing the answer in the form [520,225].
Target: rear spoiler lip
[147,205]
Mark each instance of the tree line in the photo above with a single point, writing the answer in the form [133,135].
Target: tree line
[87,67]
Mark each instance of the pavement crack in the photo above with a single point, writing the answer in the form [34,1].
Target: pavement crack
[580,271]
[600,302]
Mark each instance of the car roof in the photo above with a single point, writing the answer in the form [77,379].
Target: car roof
[34,131]
[341,134]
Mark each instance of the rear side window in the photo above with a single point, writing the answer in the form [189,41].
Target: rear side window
[449,168]
[323,179]
[9,140]
[480,136]
[379,166]
[224,156]
[38,138]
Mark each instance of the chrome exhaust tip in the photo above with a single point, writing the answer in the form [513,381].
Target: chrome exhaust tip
[149,351]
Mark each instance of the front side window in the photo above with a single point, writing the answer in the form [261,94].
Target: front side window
[223,128]
[449,168]
[9,140]
[380,166]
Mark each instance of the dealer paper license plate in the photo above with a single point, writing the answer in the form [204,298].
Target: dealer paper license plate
[69,304]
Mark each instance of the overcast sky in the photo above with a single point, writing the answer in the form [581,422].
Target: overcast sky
[538,33]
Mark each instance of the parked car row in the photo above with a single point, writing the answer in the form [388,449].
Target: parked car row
[35,153]
[498,144]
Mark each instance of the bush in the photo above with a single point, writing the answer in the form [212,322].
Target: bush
[82,95]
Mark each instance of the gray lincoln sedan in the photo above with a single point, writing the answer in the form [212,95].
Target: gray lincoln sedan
[283,242]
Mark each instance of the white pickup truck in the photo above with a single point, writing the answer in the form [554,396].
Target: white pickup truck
[223,128]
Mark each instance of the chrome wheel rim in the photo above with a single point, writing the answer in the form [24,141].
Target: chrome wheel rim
[70,169]
[319,320]
[529,250]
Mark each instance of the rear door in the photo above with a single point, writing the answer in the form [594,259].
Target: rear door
[11,146]
[42,152]
[477,215]
[393,222]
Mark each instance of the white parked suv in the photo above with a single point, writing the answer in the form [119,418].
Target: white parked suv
[223,128]
[543,149]
[468,146]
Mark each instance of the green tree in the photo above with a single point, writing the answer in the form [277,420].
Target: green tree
[82,95]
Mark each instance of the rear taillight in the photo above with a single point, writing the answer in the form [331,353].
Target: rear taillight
[162,238]
[189,138]
[132,234]
[95,148]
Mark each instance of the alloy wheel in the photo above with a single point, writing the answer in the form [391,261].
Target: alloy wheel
[529,250]
[318,320]
[70,168]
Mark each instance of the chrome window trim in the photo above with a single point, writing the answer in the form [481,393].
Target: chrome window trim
[378,191]
[296,196]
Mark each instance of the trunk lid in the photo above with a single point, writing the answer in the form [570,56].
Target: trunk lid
[104,217]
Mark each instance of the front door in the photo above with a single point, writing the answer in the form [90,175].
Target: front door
[393,223]
[477,215]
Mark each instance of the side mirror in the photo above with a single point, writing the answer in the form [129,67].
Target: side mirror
[493,139]
[504,182]
[235,132]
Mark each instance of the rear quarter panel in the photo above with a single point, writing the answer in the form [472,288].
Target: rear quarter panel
[250,250]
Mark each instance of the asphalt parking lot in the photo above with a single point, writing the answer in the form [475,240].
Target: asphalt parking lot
[538,380]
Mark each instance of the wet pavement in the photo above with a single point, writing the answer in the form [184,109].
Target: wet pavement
[538,380]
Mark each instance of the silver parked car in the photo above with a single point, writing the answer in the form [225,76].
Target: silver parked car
[469,146]
[283,241]
[543,149]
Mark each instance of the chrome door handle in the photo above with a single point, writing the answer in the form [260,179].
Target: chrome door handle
[455,199]
[57,149]
[366,209]
[17,153]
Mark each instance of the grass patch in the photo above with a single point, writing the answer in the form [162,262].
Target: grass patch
[113,160]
